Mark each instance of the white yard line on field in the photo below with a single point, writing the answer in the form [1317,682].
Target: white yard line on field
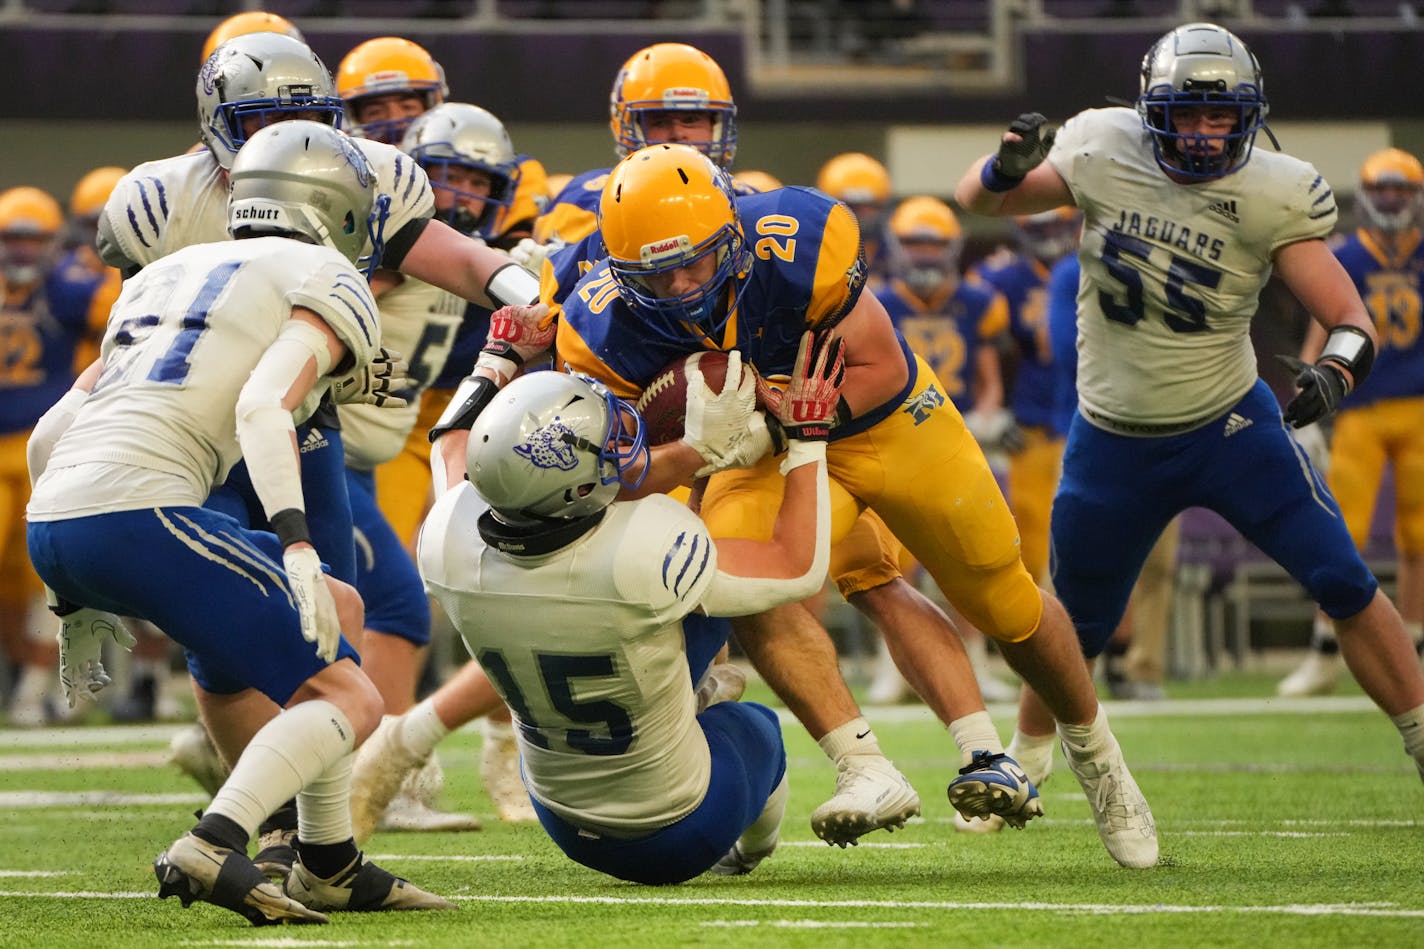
[1380,909]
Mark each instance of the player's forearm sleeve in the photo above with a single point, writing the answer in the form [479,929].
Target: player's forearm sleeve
[730,595]
[264,427]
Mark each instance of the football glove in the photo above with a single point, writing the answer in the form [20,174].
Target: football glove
[517,334]
[81,644]
[379,382]
[530,254]
[717,421]
[1016,159]
[1322,385]
[811,405]
[995,431]
[315,605]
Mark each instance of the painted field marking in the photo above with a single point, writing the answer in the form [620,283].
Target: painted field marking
[82,760]
[43,799]
[1382,909]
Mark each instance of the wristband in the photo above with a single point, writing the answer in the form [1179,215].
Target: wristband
[471,398]
[800,453]
[500,358]
[290,526]
[512,285]
[1352,348]
[996,181]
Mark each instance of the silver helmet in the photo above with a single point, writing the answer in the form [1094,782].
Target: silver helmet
[308,179]
[1197,65]
[256,79]
[555,445]
[464,135]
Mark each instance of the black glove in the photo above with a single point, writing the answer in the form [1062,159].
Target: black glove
[1017,159]
[1322,385]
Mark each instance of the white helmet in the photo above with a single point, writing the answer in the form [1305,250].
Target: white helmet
[457,133]
[267,76]
[555,446]
[1201,64]
[306,178]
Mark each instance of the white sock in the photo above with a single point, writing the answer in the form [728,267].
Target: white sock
[292,750]
[324,806]
[1034,753]
[1411,729]
[975,732]
[762,835]
[421,729]
[855,737]
[1087,741]
[495,730]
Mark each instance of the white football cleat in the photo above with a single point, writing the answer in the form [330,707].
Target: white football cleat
[499,770]
[361,887]
[1317,675]
[736,862]
[192,751]
[871,794]
[193,869]
[409,813]
[382,766]
[1120,811]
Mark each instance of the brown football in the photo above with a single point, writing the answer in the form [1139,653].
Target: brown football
[664,401]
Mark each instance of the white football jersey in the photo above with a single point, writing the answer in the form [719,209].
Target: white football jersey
[183,337]
[1171,273]
[418,321]
[166,205]
[586,646]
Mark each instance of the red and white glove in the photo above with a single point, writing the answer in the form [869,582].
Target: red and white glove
[811,404]
[517,334]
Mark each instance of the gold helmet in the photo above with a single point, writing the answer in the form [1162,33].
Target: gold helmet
[672,77]
[925,244]
[1049,235]
[662,209]
[251,21]
[855,178]
[93,190]
[87,200]
[756,181]
[30,222]
[863,184]
[1391,194]
[389,65]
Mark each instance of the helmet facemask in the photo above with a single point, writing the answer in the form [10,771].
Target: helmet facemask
[1201,66]
[256,80]
[556,446]
[705,310]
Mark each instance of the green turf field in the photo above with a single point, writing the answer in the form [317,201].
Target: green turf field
[1281,823]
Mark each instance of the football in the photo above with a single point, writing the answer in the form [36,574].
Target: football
[664,402]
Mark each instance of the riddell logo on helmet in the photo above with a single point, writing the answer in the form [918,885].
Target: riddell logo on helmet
[685,98]
[664,248]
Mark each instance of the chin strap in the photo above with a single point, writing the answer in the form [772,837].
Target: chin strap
[536,539]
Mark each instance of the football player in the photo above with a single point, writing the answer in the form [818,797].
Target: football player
[1184,222]
[249,21]
[691,267]
[210,352]
[864,185]
[45,310]
[635,776]
[667,92]
[1382,420]
[160,206]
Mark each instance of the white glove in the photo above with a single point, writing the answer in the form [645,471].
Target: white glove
[81,644]
[1317,447]
[376,383]
[996,430]
[315,604]
[717,421]
[531,255]
[754,445]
